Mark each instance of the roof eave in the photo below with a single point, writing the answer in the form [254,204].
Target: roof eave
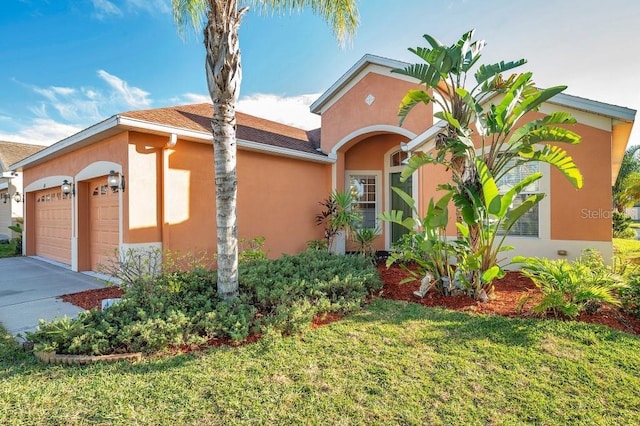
[343,81]
[84,137]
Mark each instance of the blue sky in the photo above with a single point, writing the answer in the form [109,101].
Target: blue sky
[67,64]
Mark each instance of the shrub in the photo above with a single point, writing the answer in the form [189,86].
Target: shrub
[622,226]
[630,295]
[252,249]
[571,287]
[182,307]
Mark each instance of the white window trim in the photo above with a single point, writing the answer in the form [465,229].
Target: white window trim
[544,207]
[378,177]
[388,169]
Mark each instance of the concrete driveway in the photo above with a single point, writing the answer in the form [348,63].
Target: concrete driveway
[28,290]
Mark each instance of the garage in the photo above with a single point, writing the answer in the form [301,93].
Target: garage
[103,222]
[53,225]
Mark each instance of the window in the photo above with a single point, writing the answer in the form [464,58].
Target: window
[364,187]
[528,225]
[398,158]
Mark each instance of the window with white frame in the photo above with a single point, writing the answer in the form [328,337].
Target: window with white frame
[365,188]
[529,224]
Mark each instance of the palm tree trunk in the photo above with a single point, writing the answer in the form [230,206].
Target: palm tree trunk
[224,73]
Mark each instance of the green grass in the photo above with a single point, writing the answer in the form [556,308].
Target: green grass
[627,248]
[7,250]
[393,363]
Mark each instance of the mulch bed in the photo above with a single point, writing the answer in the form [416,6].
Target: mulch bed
[507,294]
[504,301]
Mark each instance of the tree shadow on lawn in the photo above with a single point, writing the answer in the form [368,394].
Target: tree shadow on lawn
[436,324]
[461,327]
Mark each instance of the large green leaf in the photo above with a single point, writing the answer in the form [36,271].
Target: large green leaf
[491,274]
[415,162]
[508,197]
[544,134]
[512,216]
[490,193]
[425,73]
[486,72]
[559,158]
[397,216]
[504,111]
[449,118]
[545,130]
[405,197]
[531,102]
[410,100]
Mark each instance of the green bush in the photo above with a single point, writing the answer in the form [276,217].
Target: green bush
[622,226]
[630,295]
[182,307]
[568,288]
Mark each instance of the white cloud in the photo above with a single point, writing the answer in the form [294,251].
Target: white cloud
[71,104]
[104,8]
[150,6]
[291,110]
[192,98]
[132,96]
[41,131]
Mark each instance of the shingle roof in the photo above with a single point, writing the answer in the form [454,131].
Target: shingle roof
[12,152]
[198,117]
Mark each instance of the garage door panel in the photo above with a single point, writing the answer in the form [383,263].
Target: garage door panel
[53,225]
[103,223]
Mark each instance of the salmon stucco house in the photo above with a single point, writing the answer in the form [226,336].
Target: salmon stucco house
[145,178]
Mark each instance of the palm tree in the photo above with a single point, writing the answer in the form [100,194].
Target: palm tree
[626,191]
[220,20]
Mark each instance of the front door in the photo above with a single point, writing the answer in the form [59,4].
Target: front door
[397,203]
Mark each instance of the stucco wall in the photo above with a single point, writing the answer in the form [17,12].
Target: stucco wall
[110,149]
[584,214]
[351,112]
[277,199]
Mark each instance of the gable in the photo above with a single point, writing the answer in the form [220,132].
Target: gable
[368,101]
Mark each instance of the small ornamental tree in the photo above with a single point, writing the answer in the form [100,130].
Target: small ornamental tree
[482,140]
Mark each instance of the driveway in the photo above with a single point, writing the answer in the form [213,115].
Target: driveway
[28,290]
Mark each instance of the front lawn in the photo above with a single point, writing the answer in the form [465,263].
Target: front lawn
[393,363]
[627,248]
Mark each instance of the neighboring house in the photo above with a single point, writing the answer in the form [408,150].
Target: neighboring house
[11,184]
[161,164]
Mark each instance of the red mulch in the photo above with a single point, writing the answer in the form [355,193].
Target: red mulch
[506,296]
[92,298]
[508,292]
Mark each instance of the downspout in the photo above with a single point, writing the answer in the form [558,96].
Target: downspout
[167,149]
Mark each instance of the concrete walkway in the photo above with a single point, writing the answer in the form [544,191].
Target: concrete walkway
[28,290]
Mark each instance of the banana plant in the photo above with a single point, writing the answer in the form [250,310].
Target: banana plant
[426,244]
[484,138]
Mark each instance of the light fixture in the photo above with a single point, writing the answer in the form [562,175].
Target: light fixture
[17,197]
[112,181]
[5,196]
[68,188]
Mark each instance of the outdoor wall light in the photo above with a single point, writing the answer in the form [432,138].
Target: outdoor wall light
[68,188]
[115,181]
[17,197]
[5,196]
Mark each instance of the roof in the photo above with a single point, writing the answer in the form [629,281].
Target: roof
[192,122]
[350,75]
[255,129]
[12,152]
[613,112]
